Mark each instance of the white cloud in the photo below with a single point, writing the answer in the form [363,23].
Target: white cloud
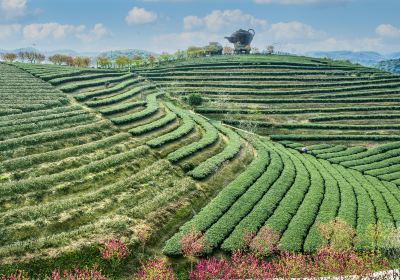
[140,16]
[57,31]
[40,31]
[9,30]
[218,20]
[293,30]
[191,22]
[387,30]
[302,2]
[13,8]
[98,32]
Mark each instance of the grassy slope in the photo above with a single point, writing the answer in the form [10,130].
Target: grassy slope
[163,198]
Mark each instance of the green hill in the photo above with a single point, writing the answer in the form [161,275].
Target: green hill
[392,65]
[88,154]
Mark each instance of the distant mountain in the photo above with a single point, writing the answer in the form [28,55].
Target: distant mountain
[364,58]
[129,53]
[391,65]
[395,55]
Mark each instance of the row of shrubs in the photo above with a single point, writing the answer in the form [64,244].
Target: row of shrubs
[152,106]
[83,77]
[187,125]
[213,211]
[47,181]
[39,138]
[209,137]
[107,91]
[120,97]
[95,82]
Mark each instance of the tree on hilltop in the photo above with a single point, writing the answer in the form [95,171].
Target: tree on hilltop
[10,57]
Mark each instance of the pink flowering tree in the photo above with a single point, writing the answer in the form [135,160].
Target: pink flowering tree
[114,251]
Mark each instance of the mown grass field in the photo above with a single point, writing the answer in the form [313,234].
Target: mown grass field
[90,154]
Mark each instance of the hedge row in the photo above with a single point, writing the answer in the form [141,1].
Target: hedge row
[151,108]
[310,100]
[297,230]
[209,137]
[347,152]
[292,199]
[82,117]
[224,200]
[38,115]
[123,107]
[355,85]
[375,161]
[212,76]
[185,128]
[308,137]
[264,197]
[92,83]
[209,166]
[65,113]
[106,91]
[348,203]
[311,72]
[365,208]
[327,93]
[327,211]
[39,138]
[297,111]
[56,155]
[48,181]
[119,97]
[354,117]
[59,81]
[315,126]
[370,152]
[168,118]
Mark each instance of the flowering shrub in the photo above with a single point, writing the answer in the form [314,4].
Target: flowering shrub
[325,262]
[192,244]
[265,243]
[18,275]
[114,251]
[78,274]
[155,269]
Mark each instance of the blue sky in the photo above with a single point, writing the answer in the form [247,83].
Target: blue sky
[167,25]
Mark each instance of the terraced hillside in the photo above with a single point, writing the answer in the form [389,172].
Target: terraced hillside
[69,178]
[292,98]
[149,160]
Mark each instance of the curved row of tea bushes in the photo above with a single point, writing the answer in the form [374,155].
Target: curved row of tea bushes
[209,137]
[265,195]
[187,125]
[103,92]
[210,165]
[120,97]
[56,155]
[36,139]
[95,82]
[149,127]
[46,181]
[122,107]
[224,200]
[152,107]
[63,80]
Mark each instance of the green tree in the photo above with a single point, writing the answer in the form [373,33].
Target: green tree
[103,62]
[10,57]
[195,99]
